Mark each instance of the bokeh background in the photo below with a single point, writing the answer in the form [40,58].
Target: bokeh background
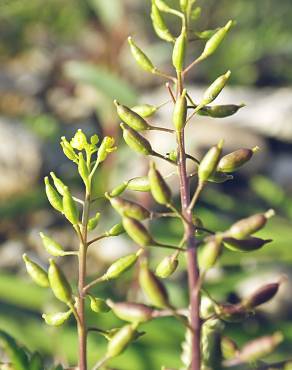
[62,64]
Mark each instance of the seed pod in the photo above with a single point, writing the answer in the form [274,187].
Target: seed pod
[210,344]
[130,209]
[116,230]
[259,348]
[132,312]
[69,207]
[159,188]
[209,162]
[159,24]
[119,189]
[131,118]
[68,150]
[56,319]
[152,287]
[219,177]
[137,231]
[220,111]
[121,339]
[214,90]
[180,112]
[38,275]
[53,197]
[261,295]
[98,305]
[120,266]
[139,184]
[140,57]
[245,245]
[59,185]
[144,110]
[167,266]
[52,247]
[179,51]
[233,161]
[135,141]
[213,43]
[229,348]
[210,253]
[231,312]
[93,222]
[83,170]
[247,226]
[59,283]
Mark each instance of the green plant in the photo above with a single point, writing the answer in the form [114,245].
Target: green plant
[205,347]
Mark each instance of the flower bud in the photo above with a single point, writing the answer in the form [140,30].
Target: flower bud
[137,231]
[119,189]
[98,305]
[152,287]
[106,147]
[233,161]
[116,230]
[159,24]
[53,197]
[245,245]
[159,188]
[144,110]
[52,247]
[68,150]
[93,222]
[131,118]
[128,208]
[38,275]
[121,339]
[83,169]
[167,266]
[70,208]
[59,185]
[172,155]
[59,283]
[210,253]
[261,295]
[79,141]
[179,50]
[56,319]
[120,266]
[247,226]
[139,184]
[231,312]
[180,112]
[219,177]
[209,162]
[135,141]
[132,312]
[220,111]
[140,57]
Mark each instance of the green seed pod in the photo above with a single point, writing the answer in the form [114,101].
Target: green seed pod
[116,230]
[53,197]
[229,348]
[233,161]
[52,247]
[210,253]
[59,185]
[144,110]
[139,184]
[59,283]
[214,89]
[179,51]
[247,226]
[119,189]
[231,312]
[93,222]
[140,57]
[210,344]
[135,141]
[219,177]
[220,111]
[137,231]
[259,348]
[130,209]
[167,266]
[159,24]
[83,170]
[38,275]
[159,188]
[98,305]
[213,43]
[70,208]
[180,112]
[132,312]
[120,266]
[261,296]
[152,287]
[209,162]
[245,245]
[131,118]
[68,150]
[56,319]
[121,339]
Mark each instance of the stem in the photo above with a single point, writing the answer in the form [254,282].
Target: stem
[195,198]
[161,129]
[164,75]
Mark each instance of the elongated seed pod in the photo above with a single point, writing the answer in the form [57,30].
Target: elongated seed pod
[135,141]
[159,188]
[179,51]
[159,24]
[144,110]
[119,189]
[116,230]
[59,185]
[38,274]
[167,266]
[70,208]
[93,222]
[137,231]
[231,312]
[210,253]
[128,208]
[53,197]
[139,184]
[59,283]
[120,266]
[210,344]
[209,162]
[219,177]
[140,57]
[83,170]
[152,287]
[132,312]
[131,118]
[120,340]
[51,246]
[247,226]
[261,295]
[233,161]
[98,305]
[245,245]
[215,88]
[220,111]
[180,112]
[57,318]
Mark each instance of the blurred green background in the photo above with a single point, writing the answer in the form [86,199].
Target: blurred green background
[62,65]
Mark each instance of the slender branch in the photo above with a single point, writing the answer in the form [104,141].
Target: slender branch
[162,74]
[189,156]
[196,196]
[100,363]
[190,66]
[170,92]
[92,283]
[102,236]
[161,129]
[158,155]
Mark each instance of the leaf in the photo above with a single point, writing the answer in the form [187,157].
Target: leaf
[17,354]
[36,362]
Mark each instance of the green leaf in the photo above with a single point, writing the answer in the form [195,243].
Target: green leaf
[17,354]
[36,362]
